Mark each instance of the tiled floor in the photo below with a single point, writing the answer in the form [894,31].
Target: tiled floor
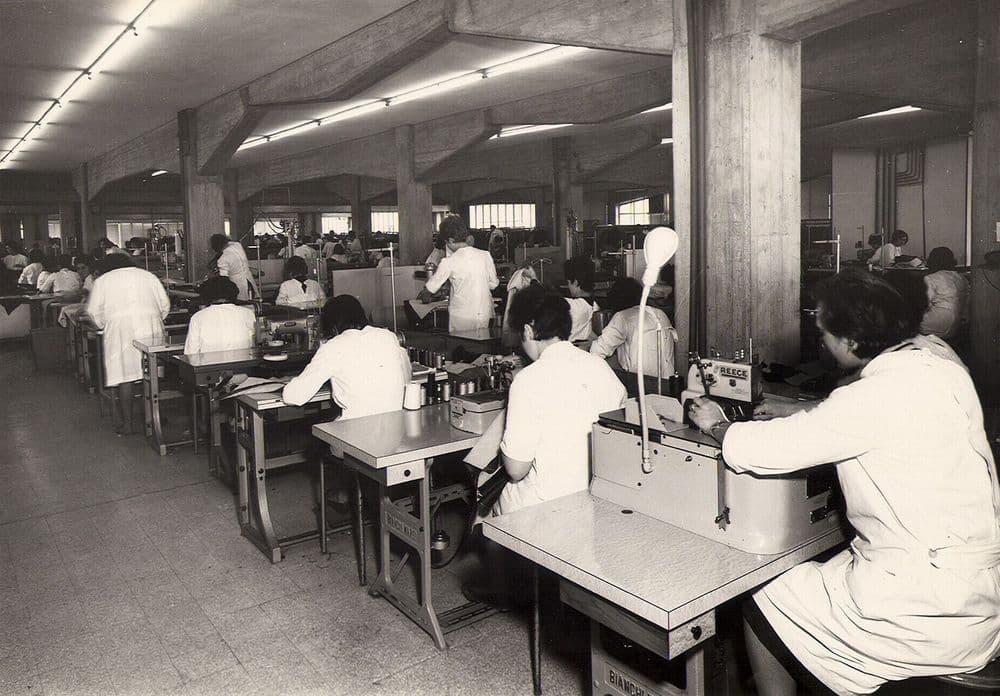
[124,573]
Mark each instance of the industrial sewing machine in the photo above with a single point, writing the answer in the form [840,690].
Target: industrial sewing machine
[278,327]
[688,484]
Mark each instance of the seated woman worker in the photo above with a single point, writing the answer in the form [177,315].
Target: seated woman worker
[917,593]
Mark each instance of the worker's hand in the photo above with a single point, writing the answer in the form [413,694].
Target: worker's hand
[774,408]
[705,413]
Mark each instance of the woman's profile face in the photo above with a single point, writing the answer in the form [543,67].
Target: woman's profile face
[842,349]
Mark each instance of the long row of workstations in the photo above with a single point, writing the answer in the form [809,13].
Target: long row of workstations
[652,577]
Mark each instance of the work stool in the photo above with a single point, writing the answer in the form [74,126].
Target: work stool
[986,680]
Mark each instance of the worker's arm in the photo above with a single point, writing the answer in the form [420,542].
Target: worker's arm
[491,273]
[282,298]
[439,278]
[612,337]
[304,387]
[162,299]
[192,344]
[49,283]
[522,433]
[95,305]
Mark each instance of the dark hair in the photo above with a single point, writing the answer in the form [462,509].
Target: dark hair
[453,227]
[105,243]
[341,313]
[439,243]
[295,265]
[860,306]
[218,242]
[898,235]
[623,294]
[36,256]
[218,288]
[581,270]
[941,259]
[338,248]
[112,262]
[306,239]
[65,261]
[546,310]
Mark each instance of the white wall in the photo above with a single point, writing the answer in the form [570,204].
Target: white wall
[816,198]
[853,198]
[933,213]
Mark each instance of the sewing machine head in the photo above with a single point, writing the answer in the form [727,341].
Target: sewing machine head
[735,384]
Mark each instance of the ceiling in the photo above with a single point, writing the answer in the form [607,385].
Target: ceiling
[194,50]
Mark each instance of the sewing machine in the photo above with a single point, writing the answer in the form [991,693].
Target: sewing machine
[736,385]
[689,486]
[475,412]
[289,327]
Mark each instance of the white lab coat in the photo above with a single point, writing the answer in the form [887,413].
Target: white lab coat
[550,410]
[221,327]
[308,253]
[128,303]
[41,278]
[886,255]
[621,337]
[233,264]
[367,370]
[947,303]
[473,276]
[15,262]
[581,312]
[29,276]
[291,291]
[62,281]
[918,592]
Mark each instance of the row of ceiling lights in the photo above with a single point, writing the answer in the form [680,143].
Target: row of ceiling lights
[104,61]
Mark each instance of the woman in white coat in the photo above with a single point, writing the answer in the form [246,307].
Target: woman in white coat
[621,336]
[221,325]
[298,287]
[128,303]
[233,264]
[918,591]
[472,275]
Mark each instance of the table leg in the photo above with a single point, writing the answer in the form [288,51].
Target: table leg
[536,637]
[694,668]
[263,536]
[243,465]
[194,418]
[215,426]
[322,505]
[148,375]
[359,531]
[424,555]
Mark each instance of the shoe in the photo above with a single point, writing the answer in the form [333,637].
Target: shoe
[498,600]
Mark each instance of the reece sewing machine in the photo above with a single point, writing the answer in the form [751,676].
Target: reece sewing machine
[647,460]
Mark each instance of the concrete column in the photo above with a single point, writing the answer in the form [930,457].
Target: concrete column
[752,90]
[240,212]
[69,226]
[985,310]
[416,219]
[567,197]
[361,210]
[204,207]
[10,228]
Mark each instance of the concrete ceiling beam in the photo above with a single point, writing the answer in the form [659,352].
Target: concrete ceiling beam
[795,20]
[156,149]
[641,26]
[608,100]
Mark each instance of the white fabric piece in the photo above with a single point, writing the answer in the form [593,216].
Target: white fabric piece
[221,327]
[948,303]
[621,337]
[62,281]
[29,275]
[129,304]
[291,291]
[233,264]
[473,276]
[552,404]
[917,475]
[367,370]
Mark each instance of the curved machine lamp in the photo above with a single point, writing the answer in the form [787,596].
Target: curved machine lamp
[658,248]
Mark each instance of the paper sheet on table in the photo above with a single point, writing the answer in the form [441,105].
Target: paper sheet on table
[257,385]
[488,447]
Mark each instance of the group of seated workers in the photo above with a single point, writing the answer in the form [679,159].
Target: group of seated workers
[917,592]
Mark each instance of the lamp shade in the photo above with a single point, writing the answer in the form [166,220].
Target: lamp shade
[658,248]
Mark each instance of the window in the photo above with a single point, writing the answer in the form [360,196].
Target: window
[517,215]
[337,223]
[55,228]
[385,221]
[632,212]
[120,231]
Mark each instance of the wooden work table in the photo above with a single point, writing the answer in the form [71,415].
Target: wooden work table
[654,583]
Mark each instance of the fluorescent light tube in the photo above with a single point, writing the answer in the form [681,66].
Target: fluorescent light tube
[353,112]
[666,141]
[533,60]
[158,172]
[890,112]
[436,88]
[522,130]
[663,107]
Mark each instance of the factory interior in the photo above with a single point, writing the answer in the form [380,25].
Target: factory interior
[292,403]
